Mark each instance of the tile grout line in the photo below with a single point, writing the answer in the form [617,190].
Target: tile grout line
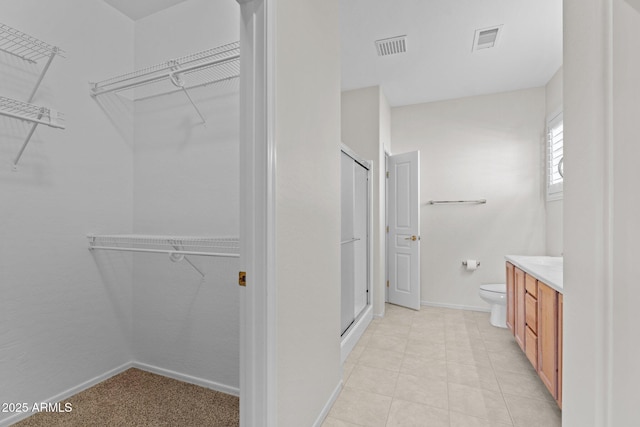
[446,364]
[386,421]
[493,369]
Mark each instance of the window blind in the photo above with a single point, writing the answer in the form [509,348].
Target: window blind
[555,153]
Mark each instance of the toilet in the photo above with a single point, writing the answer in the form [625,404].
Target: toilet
[496,295]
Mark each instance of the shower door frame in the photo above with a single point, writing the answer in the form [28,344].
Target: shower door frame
[350,337]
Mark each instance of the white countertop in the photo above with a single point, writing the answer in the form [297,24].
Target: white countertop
[547,269]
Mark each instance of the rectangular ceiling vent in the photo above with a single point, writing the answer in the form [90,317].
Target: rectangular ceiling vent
[391,46]
[487,38]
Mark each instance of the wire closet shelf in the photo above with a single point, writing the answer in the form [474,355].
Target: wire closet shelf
[32,114]
[204,68]
[172,245]
[24,46]
[28,48]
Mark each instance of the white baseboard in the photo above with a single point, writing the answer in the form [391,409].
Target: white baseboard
[328,405]
[455,306]
[234,391]
[68,393]
[351,338]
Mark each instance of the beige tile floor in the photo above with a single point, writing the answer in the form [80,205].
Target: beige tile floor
[440,367]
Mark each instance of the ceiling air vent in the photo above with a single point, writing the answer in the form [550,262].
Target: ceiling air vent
[391,46]
[486,38]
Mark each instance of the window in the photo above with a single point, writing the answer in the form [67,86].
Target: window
[555,156]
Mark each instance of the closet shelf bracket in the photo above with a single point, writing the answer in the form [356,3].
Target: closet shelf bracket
[32,114]
[178,81]
[29,49]
[177,257]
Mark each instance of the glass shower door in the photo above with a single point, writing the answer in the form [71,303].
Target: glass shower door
[354,240]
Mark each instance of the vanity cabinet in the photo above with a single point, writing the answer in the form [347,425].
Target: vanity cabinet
[511,315]
[534,315]
[531,320]
[560,319]
[519,308]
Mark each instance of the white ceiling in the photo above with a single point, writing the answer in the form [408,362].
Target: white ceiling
[137,9]
[439,63]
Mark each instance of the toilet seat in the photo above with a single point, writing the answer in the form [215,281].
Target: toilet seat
[500,288]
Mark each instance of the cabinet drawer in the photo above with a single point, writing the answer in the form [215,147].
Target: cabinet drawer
[531,285]
[531,347]
[531,312]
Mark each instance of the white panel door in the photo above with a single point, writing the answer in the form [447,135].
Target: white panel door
[404,230]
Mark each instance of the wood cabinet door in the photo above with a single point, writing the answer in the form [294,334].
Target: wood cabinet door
[531,285]
[510,298]
[548,337]
[531,312]
[560,321]
[520,321]
[531,344]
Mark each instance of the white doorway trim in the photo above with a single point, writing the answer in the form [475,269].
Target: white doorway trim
[386,224]
[258,350]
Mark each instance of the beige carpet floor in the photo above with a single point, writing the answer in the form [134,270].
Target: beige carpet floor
[139,398]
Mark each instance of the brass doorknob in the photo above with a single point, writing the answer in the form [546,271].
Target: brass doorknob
[413,238]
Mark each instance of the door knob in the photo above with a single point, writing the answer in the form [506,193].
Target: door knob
[413,238]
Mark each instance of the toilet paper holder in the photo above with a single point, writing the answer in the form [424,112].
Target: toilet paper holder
[465,263]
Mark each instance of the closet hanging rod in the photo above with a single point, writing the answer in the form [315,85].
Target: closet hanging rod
[355,239]
[143,98]
[163,251]
[178,245]
[445,202]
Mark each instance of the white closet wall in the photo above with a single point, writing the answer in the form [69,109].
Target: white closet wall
[65,316]
[186,182]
